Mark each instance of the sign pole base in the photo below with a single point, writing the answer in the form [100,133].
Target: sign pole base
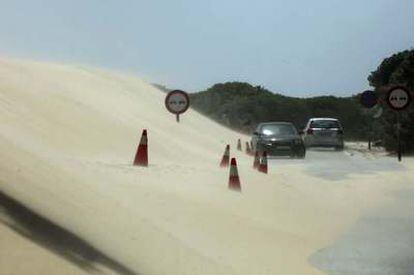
[399,135]
[177,116]
[399,154]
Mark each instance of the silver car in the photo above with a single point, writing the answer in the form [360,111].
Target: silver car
[324,132]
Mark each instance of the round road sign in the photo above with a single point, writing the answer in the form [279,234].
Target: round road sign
[398,98]
[177,102]
[368,99]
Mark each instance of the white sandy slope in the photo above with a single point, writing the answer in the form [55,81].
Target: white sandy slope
[68,135]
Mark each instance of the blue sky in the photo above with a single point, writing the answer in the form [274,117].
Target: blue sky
[298,48]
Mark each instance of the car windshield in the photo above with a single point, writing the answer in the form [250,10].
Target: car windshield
[278,130]
[324,124]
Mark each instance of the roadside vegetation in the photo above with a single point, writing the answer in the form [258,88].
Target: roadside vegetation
[395,70]
[241,106]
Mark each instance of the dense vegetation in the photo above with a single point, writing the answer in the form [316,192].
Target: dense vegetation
[395,70]
[242,106]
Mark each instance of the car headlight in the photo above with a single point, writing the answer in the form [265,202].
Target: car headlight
[265,143]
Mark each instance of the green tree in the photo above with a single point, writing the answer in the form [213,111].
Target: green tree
[397,69]
[242,106]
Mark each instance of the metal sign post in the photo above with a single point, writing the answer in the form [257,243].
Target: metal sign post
[376,113]
[398,99]
[399,135]
[177,102]
[370,137]
[369,99]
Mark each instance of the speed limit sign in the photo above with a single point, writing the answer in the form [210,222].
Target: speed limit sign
[177,102]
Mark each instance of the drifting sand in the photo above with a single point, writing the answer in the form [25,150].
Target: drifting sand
[68,135]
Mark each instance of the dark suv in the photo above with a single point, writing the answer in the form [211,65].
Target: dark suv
[278,139]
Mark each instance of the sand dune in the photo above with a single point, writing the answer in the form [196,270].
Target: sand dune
[68,135]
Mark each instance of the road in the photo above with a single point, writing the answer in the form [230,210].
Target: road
[69,150]
[334,165]
[382,241]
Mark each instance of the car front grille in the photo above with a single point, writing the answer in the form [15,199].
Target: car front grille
[278,145]
[283,143]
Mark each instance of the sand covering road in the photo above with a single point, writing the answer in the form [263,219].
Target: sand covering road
[68,135]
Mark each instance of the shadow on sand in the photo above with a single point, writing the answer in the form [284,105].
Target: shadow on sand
[55,238]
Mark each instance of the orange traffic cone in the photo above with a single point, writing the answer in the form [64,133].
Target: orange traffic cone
[234,181]
[141,157]
[263,163]
[256,162]
[226,157]
[239,145]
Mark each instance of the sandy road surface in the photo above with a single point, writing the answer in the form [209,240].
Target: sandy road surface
[382,240]
[328,164]
[67,138]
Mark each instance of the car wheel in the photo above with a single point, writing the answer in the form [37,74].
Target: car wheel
[301,156]
[301,153]
[339,148]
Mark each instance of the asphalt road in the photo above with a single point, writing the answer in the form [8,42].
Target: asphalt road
[336,165]
[382,242]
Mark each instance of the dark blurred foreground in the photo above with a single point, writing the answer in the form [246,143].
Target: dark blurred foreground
[55,238]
